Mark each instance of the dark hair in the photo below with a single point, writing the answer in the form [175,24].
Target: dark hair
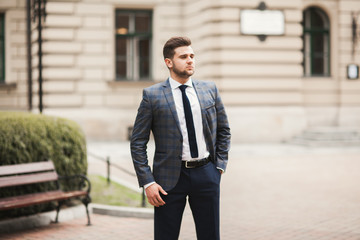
[173,43]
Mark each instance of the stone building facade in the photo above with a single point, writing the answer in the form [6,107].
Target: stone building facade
[98,55]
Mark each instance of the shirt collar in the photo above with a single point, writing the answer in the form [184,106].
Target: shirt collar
[175,84]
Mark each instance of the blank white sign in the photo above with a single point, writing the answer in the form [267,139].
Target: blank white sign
[262,22]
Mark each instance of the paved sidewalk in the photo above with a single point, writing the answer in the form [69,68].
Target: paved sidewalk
[280,192]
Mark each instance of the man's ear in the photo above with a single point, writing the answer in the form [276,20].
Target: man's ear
[168,62]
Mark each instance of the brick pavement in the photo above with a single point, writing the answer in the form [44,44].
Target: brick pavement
[268,192]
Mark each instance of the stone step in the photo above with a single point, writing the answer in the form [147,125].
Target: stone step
[328,136]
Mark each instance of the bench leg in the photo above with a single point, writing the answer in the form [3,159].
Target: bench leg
[86,202]
[57,211]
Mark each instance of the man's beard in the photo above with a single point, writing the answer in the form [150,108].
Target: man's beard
[183,74]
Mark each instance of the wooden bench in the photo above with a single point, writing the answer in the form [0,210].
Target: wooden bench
[40,172]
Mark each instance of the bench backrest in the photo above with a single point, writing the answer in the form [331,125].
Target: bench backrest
[27,173]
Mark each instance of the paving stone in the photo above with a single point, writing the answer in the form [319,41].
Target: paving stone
[268,192]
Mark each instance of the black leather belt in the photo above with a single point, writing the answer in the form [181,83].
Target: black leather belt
[196,163]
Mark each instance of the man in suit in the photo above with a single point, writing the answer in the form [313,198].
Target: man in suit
[192,140]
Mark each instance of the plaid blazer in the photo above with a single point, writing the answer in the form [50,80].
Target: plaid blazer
[157,113]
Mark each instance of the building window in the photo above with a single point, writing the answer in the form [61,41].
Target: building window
[2,47]
[133,45]
[316,40]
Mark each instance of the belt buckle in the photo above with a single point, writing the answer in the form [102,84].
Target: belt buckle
[186,165]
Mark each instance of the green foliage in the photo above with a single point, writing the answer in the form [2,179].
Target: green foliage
[26,137]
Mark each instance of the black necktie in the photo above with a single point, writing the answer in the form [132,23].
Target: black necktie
[189,123]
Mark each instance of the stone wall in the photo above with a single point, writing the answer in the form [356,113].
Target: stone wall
[261,82]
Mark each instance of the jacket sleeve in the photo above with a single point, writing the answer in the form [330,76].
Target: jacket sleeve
[139,139]
[222,134]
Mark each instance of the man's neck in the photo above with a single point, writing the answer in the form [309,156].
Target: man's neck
[179,79]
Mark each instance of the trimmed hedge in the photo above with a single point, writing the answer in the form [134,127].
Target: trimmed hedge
[26,137]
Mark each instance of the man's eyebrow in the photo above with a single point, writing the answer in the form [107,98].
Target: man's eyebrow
[185,54]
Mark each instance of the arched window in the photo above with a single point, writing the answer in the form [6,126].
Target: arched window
[316,40]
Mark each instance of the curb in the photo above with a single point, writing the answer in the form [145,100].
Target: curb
[117,211]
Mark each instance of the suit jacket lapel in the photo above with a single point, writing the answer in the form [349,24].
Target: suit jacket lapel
[204,97]
[205,101]
[170,100]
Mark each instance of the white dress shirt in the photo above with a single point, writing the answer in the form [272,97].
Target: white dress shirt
[196,112]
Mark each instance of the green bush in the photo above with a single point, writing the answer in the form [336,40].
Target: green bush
[26,137]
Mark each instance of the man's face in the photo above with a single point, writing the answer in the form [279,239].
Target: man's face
[183,62]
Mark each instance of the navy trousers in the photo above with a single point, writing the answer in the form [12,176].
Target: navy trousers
[202,188]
